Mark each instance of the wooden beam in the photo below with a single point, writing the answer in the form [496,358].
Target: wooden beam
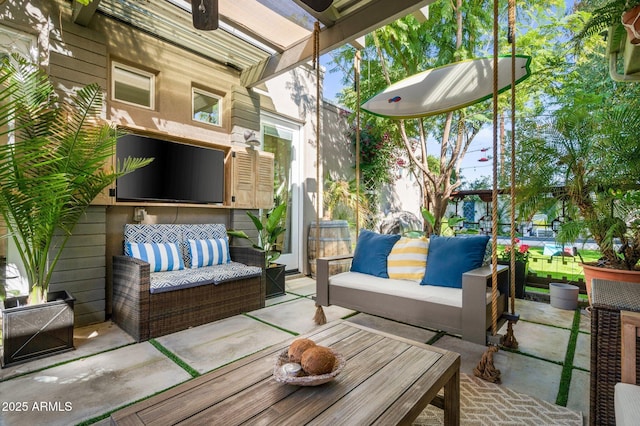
[82,14]
[630,329]
[375,14]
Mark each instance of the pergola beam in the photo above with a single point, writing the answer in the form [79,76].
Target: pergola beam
[374,15]
[82,14]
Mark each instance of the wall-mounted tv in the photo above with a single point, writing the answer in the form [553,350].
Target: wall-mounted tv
[179,173]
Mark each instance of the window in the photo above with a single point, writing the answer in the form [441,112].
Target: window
[206,107]
[132,86]
[12,41]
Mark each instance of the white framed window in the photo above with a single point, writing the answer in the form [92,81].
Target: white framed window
[12,41]
[206,107]
[132,86]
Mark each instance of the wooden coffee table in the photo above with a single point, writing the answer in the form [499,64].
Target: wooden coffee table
[387,380]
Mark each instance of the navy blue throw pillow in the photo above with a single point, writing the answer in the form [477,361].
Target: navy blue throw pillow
[371,253]
[450,257]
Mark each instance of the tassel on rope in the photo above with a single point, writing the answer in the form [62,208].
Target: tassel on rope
[485,368]
[509,339]
[319,318]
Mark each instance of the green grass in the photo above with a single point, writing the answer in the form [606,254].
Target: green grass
[567,367]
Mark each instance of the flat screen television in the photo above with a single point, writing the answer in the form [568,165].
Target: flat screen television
[179,173]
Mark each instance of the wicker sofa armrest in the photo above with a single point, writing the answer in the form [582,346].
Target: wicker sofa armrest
[131,296]
[322,277]
[248,255]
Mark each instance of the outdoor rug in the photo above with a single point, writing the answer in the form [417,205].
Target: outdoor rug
[484,403]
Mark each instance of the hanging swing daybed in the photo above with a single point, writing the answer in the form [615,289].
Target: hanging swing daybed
[482,298]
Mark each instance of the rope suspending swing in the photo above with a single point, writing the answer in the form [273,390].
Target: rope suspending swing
[509,339]
[485,368]
[319,317]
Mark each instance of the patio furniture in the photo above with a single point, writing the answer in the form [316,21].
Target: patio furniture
[627,393]
[387,380]
[150,304]
[465,311]
[608,299]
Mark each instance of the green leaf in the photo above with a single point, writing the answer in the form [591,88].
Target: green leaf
[256,221]
[275,217]
[238,234]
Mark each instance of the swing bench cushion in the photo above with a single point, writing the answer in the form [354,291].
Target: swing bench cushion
[450,257]
[371,253]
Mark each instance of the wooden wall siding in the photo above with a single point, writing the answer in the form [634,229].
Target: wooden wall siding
[78,57]
[245,108]
[81,269]
[241,222]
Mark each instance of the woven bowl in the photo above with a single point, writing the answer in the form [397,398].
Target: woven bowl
[303,379]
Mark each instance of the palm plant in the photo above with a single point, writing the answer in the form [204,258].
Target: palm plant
[52,164]
[594,157]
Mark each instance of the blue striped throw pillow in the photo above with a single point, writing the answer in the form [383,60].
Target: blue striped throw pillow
[209,252]
[160,257]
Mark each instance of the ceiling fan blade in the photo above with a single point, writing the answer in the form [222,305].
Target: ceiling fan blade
[318,5]
[204,14]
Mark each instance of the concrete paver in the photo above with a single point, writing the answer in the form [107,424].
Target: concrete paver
[541,341]
[297,315]
[579,393]
[392,327]
[582,356]
[83,389]
[544,313]
[87,340]
[213,345]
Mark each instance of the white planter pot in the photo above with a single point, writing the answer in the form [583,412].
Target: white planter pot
[564,296]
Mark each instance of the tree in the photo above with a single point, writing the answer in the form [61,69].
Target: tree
[455,31]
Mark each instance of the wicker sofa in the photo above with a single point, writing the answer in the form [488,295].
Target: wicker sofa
[465,311]
[150,304]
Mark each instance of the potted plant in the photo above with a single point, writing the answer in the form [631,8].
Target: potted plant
[51,168]
[521,254]
[590,158]
[269,230]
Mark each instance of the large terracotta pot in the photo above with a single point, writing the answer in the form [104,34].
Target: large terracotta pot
[631,22]
[591,272]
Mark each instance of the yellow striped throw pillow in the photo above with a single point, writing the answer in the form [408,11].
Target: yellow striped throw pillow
[408,259]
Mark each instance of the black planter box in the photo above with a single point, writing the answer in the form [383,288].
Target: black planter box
[522,270]
[36,331]
[275,280]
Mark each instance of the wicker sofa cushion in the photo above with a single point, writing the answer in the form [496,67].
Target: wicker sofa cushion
[208,231]
[216,274]
[159,256]
[209,252]
[166,233]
